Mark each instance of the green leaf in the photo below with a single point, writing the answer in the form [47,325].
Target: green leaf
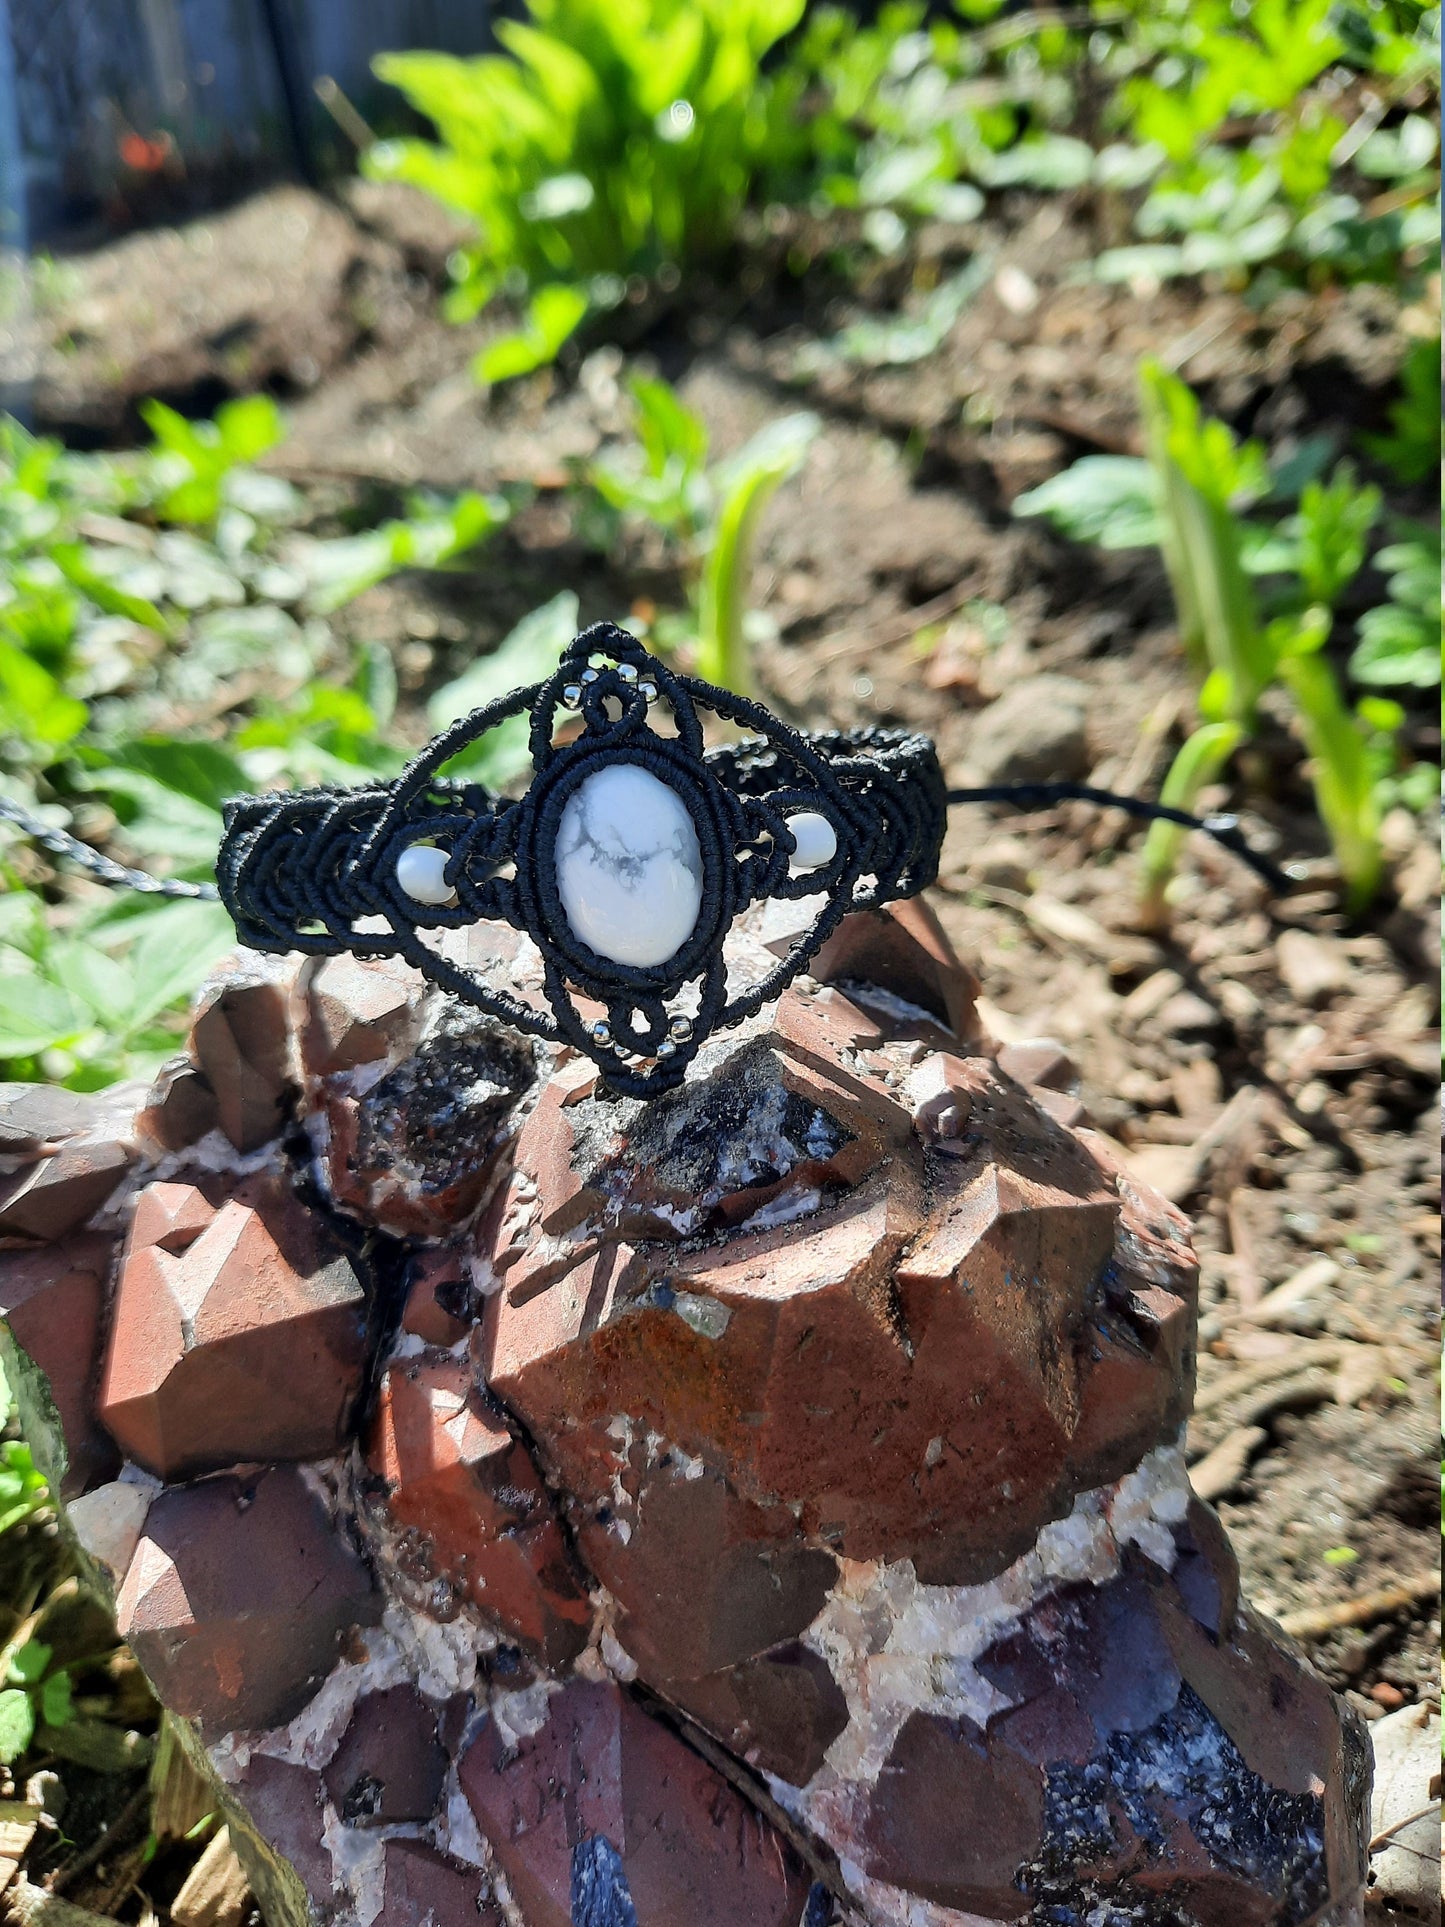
[29,1662]
[340,570]
[17,1724]
[55,1700]
[204,772]
[33,706]
[1108,499]
[529,653]
[745,484]
[177,945]
[553,314]
[34,1016]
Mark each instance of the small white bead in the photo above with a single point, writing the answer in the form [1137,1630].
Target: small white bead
[419,873]
[816,839]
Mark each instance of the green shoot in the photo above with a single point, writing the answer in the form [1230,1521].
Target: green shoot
[710,512]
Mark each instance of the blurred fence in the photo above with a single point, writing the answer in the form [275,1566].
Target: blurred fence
[118,111]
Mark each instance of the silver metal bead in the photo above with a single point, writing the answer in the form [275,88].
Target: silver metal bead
[667,1048]
[681,1028]
[627,672]
[648,691]
[572,695]
[601,1033]
[589,675]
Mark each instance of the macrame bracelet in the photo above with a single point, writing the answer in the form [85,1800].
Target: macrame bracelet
[625,862]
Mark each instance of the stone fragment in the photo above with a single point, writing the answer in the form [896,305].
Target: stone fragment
[437,1297]
[235,1336]
[415,1151]
[902,950]
[1314,968]
[53,1300]
[1139,1764]
[784,1119]
[780,1711]
[1034,732]
[390,1764]
[422,1888]
[108,1522]
[686,1845]
[35,1116]
[240,1042]
[468,1516]
[63,1189]
[357,1009]
[285,1804]
[180,1108]
[238,1597]
[1040,1063]
[1405,1866]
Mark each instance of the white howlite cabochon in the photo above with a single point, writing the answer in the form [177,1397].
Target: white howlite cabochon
[629,870]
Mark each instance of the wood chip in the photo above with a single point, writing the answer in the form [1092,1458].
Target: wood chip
[1315,1622]
[1275,1307]
[1233,1385]
[18,1821]
[26,1905]
[1221,1470]
[215,1893]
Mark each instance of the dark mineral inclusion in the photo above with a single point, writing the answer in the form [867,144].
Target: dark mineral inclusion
[1275,1841]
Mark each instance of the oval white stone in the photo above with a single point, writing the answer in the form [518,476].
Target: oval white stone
[419,873]
[629,870]
[816,839]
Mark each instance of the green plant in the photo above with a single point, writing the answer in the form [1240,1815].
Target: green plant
[711,511]
[613,138]
[1412,450]
[1399,642]
[1186,497]
[135,590]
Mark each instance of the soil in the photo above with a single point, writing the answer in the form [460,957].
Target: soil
[1270,1064]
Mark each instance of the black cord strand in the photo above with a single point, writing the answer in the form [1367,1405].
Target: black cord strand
[1224,829]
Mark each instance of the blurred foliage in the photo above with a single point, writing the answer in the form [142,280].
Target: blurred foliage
[1255,599]
[151,603]
[709,511]
[613,138]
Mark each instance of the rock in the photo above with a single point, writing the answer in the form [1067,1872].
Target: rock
[902,951]
[180,1108]
[358,1009]
[1040,1063]
[284,1803]
[33,1117]
[995,1306]
[683,1844]
[238,1597]
[1035,732]
[239,1331]
[60,1191]
[1315,969]
[437,1298]
[470,1516]
[390,1764]
[415,1150]
[108,1523]
[780,1711]
[1103,1735]
[422,1888]
[53,1300]
[240,1042]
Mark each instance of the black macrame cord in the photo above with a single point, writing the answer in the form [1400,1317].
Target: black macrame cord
[301,870]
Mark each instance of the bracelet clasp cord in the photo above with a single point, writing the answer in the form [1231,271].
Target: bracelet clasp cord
[626,861]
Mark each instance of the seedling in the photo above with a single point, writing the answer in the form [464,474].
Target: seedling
[1187,497]
[711,512]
